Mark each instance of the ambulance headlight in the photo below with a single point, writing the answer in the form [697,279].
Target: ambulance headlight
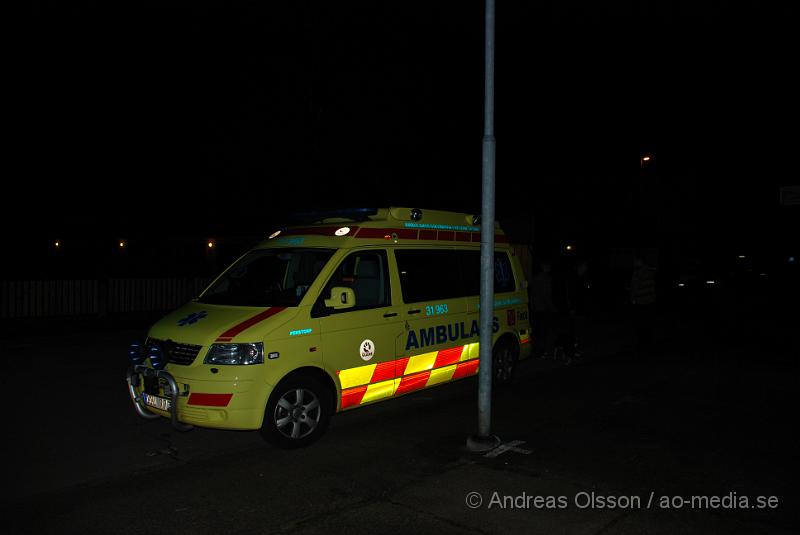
[235,354]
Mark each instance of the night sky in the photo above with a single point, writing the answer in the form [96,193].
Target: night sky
[166,118]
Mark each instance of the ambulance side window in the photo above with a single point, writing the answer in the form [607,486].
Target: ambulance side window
[471,272]
[503,275]
[367,274]
[427,275]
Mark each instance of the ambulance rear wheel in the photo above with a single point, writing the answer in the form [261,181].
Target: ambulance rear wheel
[504,362]
[297,413]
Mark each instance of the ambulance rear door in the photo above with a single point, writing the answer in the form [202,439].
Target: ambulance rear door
[438,329]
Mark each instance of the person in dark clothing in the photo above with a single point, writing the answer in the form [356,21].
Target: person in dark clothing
[543,311]
[643,300]
[562,320]
[578,288]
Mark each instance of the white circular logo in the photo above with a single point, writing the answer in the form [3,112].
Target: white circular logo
[342,231]
[367,349]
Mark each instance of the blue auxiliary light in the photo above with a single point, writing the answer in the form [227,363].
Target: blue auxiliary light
[156,355]
[136,353]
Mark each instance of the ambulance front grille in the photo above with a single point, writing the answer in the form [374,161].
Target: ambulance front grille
[181,354]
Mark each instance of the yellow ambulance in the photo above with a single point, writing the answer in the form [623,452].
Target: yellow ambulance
[357,307]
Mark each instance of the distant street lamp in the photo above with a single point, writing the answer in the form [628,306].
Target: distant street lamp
[637,193]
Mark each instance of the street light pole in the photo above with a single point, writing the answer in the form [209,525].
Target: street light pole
[484,440]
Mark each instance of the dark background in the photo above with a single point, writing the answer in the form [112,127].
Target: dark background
[169,123]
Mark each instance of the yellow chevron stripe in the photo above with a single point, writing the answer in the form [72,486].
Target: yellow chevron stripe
[441,375]
[420,363]
[471,351]
[361,375]
[381,390]
[356,376]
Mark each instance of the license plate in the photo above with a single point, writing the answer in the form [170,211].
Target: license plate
[156,402]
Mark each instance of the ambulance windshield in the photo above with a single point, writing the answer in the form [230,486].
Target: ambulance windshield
[268,278]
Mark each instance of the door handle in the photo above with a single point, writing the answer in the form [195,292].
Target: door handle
[415,311]
[390,314]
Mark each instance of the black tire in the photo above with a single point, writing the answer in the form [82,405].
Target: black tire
[504,362]
[297,413]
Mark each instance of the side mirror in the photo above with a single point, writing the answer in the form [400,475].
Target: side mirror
[341,298]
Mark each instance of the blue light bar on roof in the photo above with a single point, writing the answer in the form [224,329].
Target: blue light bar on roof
[356,214]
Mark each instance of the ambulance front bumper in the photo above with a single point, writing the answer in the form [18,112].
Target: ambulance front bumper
[233,399]
[136,375]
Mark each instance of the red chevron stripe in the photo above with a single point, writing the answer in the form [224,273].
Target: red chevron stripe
[445,357]
[409,383]
[246,324]
[465,369]
[353,396]
[383,371]
[400,367]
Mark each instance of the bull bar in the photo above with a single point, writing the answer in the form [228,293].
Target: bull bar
[133,378]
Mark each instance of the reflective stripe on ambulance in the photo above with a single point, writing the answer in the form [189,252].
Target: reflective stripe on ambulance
[228,335]
[372,382]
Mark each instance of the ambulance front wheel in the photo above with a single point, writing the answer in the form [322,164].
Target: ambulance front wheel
[504,361]
[297,413]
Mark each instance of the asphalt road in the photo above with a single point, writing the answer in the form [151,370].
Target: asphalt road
[685,423]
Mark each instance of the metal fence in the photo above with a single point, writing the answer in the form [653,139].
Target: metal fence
[53,298]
